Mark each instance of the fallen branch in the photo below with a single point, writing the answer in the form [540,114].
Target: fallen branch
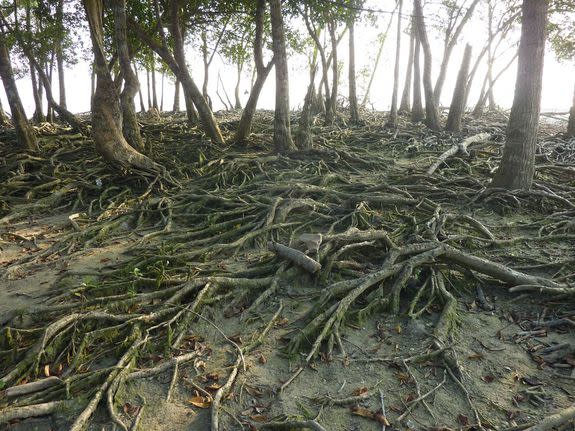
[457,148]
[295,256]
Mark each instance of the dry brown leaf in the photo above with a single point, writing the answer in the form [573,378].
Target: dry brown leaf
[201,402]
[47,370]
[360,391]
[259,418]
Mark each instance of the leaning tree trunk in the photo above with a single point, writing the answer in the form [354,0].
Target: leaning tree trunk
[106,114]
[431,113]
[417,113]
[130,126]
[24,132]
[353,106]
[571,124]
[392,121]
[4,120]
[405,106]
[517,166]
[282,134]
[262,71]
[457,107]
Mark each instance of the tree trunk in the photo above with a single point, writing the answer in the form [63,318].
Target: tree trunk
[4,120]
[448,51]
[417,113]
[240,67]
[206,67]
[148,88]
[106,114]
[154,92]
[571,124]
[353,107]
[431,113]
[176,107]
[480,105]
[517,165]
[162,92]
[60,54]
[479,108]
[392,120]
[24,132]
[282,135]
[92,85]
[262,71]
[457,107]
[377,59]
[304,139]
[405,106]
[130,126]
[140,94]
[38,115]
[332,25]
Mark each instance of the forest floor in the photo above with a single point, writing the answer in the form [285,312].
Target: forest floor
[426,300]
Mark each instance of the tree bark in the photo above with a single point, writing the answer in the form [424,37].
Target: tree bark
[332,25]
[457,107]
[262,72]
[176,107]
[353,106]
[571,124]
[431,113]
[154,92]
[304,139]
[130,125]
[517,166]
[60,55]
[24,132]
[106,113]
[417,113]
[240,68]
[140,94]
[405,106]
[392,120]
[282,140]
[4,120]
[38,115]
[448,51]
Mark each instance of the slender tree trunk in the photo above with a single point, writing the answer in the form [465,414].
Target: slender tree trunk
[490,61]
[60,54]
[149,88]
[571,124]
[417,113]
[303,137]
[392,121]
[162,93]
[405,106]
[176,107]
[50,75]
[377,59]
[262,71]
[206,67]
[154,92]
[449,50]
[457,107]
[38,115]
[106,115]
[24,132]
[130,125]
[517,165]
[479,108]
[480,105]
[353,106]
[240,67]
[431,113]
[335,76]
[140,94]
[4,120]
[282,134]
[92,85]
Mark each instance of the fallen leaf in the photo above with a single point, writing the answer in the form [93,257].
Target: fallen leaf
[47,370]
[262,359]
[366,413]
[488,378]
[463,420]
[360,391]
[259,418]
[201,402]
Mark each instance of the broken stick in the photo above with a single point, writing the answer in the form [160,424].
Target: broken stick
[297,257]
[458,148]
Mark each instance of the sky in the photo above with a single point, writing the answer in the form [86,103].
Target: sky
[558,79]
